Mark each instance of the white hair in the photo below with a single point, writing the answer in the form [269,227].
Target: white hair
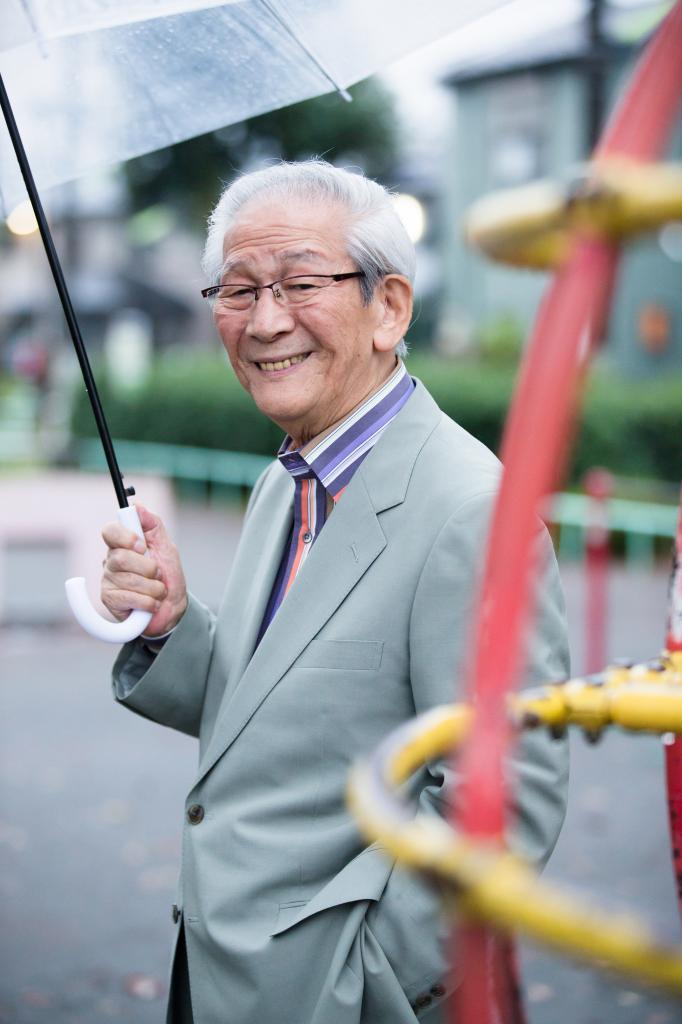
[377,241]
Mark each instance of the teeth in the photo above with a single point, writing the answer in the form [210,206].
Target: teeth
[283,364]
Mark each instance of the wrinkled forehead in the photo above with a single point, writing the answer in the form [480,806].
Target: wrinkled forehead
[281,234]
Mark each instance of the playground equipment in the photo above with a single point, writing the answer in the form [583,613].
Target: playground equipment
[578,230]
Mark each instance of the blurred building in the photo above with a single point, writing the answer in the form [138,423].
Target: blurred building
[103,271]
[533,112]
[126,306]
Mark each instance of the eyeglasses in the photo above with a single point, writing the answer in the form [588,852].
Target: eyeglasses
[290,291]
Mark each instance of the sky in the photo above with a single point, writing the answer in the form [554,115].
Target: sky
[415,79]
[425,104]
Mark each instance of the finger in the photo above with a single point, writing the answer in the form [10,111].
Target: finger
[135,584]
[115,535]
[123,560]
[148,520]
[123,601]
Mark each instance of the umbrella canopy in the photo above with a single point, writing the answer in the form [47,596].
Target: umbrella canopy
[95,83]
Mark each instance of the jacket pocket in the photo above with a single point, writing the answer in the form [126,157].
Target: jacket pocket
[347,655]
[287,914]
[364,878]
[409,924]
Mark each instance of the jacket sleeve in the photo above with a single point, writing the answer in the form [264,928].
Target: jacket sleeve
[169,687]
[441,636]
[408,920]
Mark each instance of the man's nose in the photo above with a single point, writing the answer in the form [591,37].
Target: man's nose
[269,317]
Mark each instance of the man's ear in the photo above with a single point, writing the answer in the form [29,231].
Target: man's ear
[394,297]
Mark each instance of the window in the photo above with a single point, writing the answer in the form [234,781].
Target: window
[517,118]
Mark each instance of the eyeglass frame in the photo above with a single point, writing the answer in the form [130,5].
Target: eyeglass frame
[256,289]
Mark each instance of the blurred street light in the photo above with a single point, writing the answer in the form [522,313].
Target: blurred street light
[412,214]
[670,241]
[128,347]
[21,220]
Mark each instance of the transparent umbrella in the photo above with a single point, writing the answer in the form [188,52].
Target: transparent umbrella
[85,83]
[93,82]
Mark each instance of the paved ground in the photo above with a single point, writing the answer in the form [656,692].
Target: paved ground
[90,802]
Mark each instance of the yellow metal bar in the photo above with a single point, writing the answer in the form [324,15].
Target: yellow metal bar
[492,884]
[535,225]
[645,698]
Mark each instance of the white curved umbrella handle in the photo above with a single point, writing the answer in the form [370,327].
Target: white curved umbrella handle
[89,618]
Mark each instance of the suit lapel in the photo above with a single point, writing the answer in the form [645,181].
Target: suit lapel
[350,541]
[277,514]
[347,546]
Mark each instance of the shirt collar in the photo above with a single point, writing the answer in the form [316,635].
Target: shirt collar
[334,455]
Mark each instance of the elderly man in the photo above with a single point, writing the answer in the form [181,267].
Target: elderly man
[347,610]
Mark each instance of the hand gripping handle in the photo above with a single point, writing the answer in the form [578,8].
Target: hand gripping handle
[90,619]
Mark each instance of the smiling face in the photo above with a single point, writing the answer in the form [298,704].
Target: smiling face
[335,351]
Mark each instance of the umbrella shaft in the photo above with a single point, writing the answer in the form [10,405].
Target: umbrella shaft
[67,306]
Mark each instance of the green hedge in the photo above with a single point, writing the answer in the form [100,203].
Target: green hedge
[633,429]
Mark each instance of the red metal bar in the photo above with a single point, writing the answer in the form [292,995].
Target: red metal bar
[673,639]
[673,744]
[673,778]
[534,449]
[640,125]
[494,977]
[543,408]
[598,484]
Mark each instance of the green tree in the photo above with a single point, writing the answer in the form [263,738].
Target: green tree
[190,174]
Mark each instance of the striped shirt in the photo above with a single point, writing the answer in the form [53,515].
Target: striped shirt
[322,470]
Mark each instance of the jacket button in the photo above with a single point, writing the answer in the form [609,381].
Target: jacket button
[175,913]
[195,814]
[438,990]
[422,1001]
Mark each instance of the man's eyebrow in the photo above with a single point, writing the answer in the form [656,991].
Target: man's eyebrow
[300,254]
[290,256]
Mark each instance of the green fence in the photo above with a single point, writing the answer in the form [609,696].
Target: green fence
[640,522]
[202,467]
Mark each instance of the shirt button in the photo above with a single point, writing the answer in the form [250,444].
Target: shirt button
[422,1001]
[195,814]
[175,912]
[438,990]
[307,537]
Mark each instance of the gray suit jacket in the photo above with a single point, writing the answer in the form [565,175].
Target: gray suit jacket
[289,917]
